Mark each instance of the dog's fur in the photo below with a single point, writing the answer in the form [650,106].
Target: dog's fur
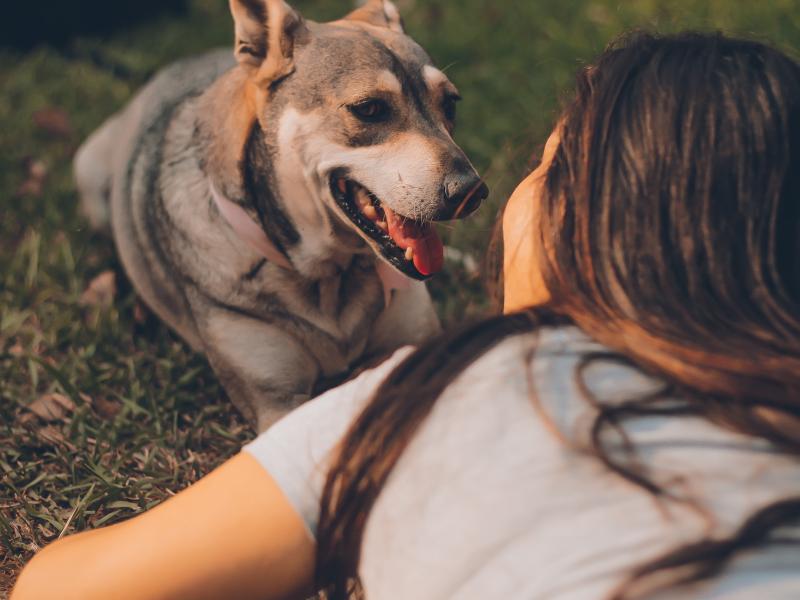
[268,130]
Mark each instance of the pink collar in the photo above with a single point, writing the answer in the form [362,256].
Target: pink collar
[248,230]
[254,236]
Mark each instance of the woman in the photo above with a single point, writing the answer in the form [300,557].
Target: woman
[630,428]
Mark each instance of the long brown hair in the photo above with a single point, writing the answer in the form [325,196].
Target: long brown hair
[670,233]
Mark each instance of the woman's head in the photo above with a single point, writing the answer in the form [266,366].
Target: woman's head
[666,213]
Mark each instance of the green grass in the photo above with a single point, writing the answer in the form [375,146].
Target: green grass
[146,416]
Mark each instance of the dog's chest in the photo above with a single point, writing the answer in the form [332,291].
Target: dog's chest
[332,317]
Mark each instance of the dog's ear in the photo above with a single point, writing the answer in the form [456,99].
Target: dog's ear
[266,34]
[382,13]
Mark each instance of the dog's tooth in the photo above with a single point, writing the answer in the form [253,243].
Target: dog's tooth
[409,254]
[383,225]
[370,212]
[363,198]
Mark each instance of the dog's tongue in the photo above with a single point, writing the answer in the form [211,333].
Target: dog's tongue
[422,239]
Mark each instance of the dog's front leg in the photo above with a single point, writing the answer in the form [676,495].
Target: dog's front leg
[264,370]
[409,320]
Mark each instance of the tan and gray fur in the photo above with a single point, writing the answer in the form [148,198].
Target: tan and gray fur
[267,127]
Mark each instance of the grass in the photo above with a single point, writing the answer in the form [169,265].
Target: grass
[134,416]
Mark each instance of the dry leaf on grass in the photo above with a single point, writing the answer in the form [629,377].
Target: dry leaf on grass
[51,435]
[101,290]
[105,408]
[52,407]
[53,121]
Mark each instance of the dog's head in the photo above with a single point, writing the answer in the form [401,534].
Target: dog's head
[358,124]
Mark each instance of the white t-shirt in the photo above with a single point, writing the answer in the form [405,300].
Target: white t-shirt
[488,503]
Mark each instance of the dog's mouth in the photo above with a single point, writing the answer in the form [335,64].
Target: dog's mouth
[412,247]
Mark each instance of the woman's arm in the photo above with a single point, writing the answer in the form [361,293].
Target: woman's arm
[231,535]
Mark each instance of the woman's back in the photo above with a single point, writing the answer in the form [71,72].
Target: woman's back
[488,502]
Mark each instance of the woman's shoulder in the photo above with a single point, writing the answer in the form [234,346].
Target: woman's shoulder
[296,450]
[557,362]
[549,343]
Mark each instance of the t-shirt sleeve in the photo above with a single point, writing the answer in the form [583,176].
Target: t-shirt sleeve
[296,449]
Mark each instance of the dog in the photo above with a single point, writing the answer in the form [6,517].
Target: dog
[274,205]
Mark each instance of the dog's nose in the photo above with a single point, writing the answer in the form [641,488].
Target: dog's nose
[463,194]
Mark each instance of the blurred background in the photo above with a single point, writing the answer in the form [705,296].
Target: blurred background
[103,412]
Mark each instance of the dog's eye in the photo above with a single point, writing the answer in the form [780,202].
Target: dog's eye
[371,111]
[449,107]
